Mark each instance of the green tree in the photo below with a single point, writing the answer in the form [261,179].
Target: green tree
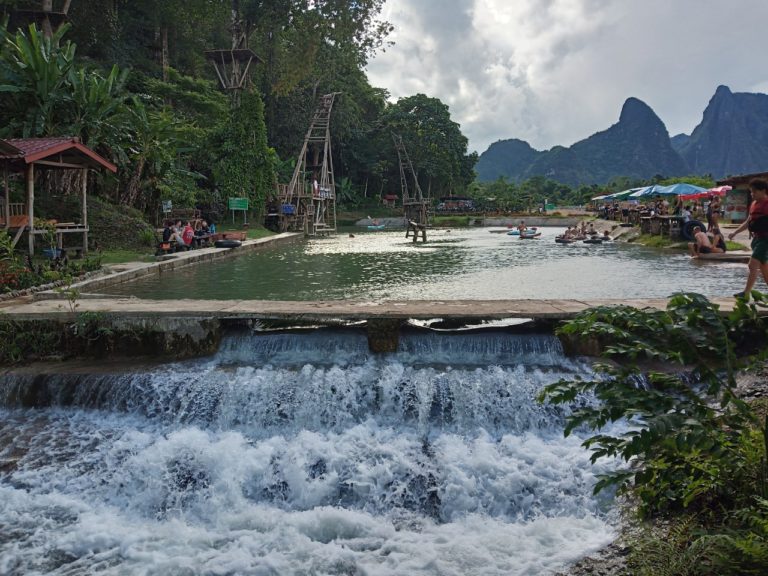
[246,166]
[435,144]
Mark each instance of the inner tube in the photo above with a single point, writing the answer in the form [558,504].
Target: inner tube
[689,226]
[227,243]
[593,241]
[563,241]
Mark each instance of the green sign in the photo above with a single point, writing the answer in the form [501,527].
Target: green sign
[237,204]
[550,206]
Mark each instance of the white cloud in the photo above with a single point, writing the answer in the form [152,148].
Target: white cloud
[555,71]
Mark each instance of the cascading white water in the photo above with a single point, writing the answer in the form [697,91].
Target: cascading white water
[300,454]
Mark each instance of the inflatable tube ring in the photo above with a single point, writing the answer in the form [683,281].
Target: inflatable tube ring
[227,243]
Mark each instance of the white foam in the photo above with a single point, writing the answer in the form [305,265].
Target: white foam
[373,468]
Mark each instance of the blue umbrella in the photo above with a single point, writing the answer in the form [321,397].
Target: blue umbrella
[681,189]
[653,190]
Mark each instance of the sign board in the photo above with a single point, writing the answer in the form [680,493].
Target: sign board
[735,206]
[167,206]
[237,204]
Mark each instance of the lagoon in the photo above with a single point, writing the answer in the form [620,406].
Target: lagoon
[455,264]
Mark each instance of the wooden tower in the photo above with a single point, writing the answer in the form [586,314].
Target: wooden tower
[233,65]
[308,202]
[49,15]
[414,205]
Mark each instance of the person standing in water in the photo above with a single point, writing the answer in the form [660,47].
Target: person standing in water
[757,223]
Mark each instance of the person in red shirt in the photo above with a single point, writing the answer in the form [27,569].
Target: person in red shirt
[188,235]
[757,222]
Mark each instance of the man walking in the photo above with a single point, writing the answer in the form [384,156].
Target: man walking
[757,222]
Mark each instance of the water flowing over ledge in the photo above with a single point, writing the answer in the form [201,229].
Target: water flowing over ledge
[300,453]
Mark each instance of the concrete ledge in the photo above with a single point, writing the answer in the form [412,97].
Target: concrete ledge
[330,310]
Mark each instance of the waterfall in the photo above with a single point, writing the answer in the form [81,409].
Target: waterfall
[300,453]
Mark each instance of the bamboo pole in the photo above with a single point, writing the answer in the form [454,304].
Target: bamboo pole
[7,190]
[85,210]
[31,208]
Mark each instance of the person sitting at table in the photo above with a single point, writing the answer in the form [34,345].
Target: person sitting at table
[188,236]
[202,234]
[167,231]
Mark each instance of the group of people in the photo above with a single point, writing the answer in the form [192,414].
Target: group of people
[185,236]
[584,232]
[710,241]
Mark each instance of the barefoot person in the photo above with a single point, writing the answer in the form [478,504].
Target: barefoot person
[702,244]
[757,222]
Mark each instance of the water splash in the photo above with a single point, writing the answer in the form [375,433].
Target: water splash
[232,465]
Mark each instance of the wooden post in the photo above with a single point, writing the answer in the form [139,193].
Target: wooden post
[85,210]
[46,24]
[7,191]
[31,207]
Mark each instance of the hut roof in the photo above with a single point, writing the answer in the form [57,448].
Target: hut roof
[743,180]
[67,152]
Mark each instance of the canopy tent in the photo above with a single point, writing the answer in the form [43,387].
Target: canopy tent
[603,197]
[621,195]
[682,189]
[719,191]
[653,190]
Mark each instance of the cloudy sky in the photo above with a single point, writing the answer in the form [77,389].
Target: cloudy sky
[555,71]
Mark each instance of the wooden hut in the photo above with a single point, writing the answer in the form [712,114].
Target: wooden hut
[25,157]
[737,201]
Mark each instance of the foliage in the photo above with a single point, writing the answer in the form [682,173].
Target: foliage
[693,448]
[435,144]
[686,424]
[246,166]
[703,181]
[23,340]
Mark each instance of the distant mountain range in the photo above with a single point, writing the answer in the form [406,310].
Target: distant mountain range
[732,138]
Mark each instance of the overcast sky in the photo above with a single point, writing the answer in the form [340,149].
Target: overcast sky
[555,71]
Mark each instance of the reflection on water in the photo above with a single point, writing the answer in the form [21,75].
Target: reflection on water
[456,264]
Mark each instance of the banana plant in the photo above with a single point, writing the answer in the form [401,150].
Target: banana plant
[35,71]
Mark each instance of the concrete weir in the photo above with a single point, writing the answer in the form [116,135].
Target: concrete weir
[179,328]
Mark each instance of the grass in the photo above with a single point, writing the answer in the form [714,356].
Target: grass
[454,221]
[252,232]
[658,241]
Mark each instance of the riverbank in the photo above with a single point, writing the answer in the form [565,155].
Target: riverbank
[613,560]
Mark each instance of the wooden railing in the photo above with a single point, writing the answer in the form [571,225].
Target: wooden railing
[15,209]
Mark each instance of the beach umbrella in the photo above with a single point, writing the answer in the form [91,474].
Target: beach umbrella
[719,191]
[681,189]
[621,195]
[653,190]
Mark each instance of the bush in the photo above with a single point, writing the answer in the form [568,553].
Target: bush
[693,448]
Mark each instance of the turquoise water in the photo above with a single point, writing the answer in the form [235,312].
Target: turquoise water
[456,264]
